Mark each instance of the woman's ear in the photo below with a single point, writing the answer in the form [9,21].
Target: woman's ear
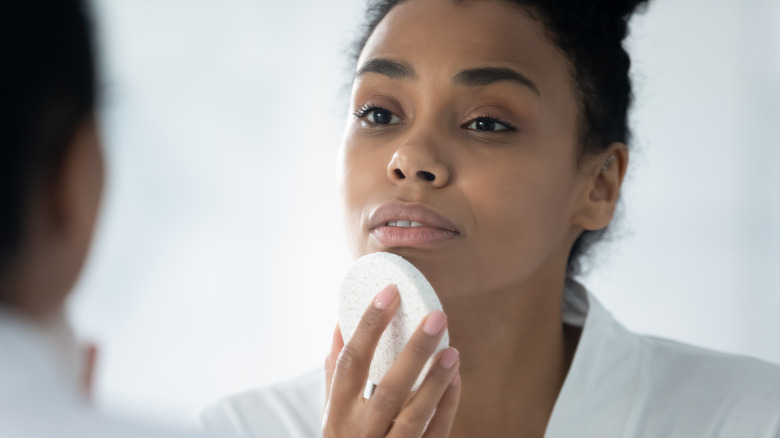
[78,185]
[61,220]
[604,177]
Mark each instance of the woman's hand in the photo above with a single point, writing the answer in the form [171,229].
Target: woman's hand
[392,411]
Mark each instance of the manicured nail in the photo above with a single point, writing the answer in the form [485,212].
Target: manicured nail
[435,323]
[448,358]
[385,298]
[455,380]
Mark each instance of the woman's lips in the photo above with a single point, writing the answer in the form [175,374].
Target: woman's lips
[399,224]
[413,237]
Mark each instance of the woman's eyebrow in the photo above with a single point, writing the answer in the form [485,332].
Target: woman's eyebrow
[391,69]
[477,77]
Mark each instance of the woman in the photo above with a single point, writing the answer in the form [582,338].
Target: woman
[500,127]
[51,180]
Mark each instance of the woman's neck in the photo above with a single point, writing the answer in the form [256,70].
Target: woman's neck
[515,354]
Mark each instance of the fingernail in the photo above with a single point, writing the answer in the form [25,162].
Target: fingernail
[385,298]
[455,380]
[435,323]
[448,358]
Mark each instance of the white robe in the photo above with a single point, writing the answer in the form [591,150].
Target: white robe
[40,396]
[619,385]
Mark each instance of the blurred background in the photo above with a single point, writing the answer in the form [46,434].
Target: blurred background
[220,250]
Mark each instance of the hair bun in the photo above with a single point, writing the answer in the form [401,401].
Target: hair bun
[607,19]
[625,8]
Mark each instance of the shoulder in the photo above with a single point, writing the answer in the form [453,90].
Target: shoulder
[695,386]
[25,422]
[699,370]
[290,409]
[629,385]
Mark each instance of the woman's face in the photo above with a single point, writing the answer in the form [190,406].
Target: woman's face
[461,155]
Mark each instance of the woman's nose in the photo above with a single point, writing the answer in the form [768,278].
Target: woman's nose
[412,163]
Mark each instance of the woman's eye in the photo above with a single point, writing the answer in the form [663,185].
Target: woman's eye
[377,116]
[488,124]
[382,117]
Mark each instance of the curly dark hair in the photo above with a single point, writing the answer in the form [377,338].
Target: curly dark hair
[590,33]
[48,84]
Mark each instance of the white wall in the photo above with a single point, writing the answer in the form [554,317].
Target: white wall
[700,248]
[220,247]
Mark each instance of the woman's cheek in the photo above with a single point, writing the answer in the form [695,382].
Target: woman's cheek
[517,210]
[358,179]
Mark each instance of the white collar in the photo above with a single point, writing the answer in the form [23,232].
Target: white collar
[38,358]
[604,365]
[575,303]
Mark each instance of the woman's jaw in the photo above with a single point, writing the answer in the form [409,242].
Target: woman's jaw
[463,156]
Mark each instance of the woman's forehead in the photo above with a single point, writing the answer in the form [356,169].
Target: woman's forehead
[443,37]
[440,39]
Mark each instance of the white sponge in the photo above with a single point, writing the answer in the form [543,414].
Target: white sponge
[367,277]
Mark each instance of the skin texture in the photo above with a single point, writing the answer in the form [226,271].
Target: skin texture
[518,197]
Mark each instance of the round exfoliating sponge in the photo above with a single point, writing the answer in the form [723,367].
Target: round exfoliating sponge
[369,275]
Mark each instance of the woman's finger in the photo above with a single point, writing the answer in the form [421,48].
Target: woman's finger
[411,421]
[441,423]
[335,348]
[351,367]
[394,388]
